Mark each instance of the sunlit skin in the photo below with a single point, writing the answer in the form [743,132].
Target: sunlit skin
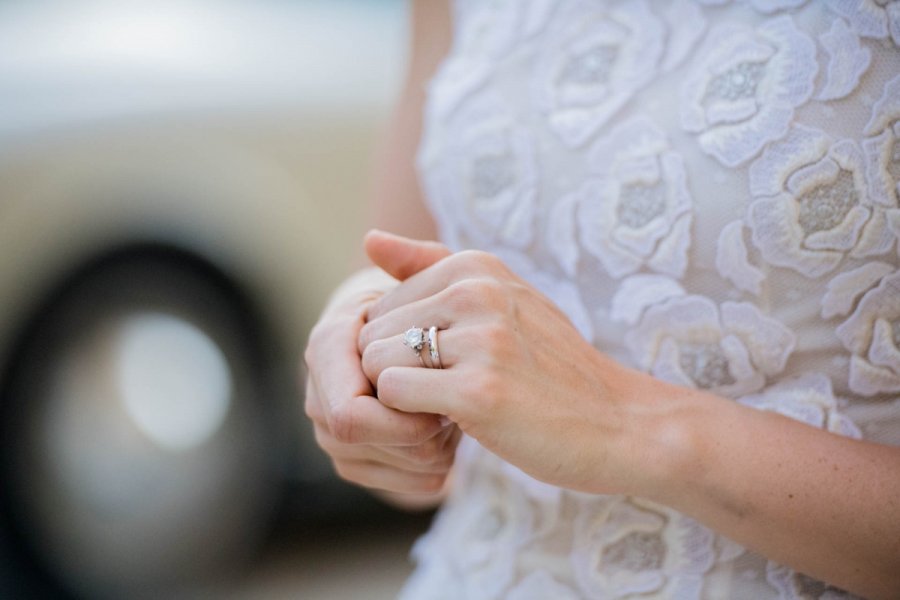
[520,379]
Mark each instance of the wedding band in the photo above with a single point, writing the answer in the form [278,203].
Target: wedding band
[433,348]
[415,339]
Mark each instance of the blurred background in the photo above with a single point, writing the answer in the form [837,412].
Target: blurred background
[180,186]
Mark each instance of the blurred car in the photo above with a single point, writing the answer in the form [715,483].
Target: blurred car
[180,187]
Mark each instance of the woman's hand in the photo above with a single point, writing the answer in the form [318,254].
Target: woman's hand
[517,375]
[370,444]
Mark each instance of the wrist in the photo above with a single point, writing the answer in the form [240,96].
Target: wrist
[667,438]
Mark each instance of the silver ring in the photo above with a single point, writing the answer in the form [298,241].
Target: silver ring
[433,348]
[415,339]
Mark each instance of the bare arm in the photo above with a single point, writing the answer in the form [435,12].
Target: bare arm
[397,204]
[827,505]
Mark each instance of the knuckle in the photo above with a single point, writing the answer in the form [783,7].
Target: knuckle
[486,288]
[387,384]
[494,337]
[469,263]
[372,358]
[423,454]
[416,433]
[322,439]
[483,389]
[311,408]
[475,293]
[437,457]
[457,297]
[478,260]
[432,484]
[343,426]
[366,336]
[375,357]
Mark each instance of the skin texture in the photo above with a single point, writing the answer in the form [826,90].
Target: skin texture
[520,380]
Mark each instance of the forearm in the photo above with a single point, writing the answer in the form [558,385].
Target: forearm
[824,504]
[396,202]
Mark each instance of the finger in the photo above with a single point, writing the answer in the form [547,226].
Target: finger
[432,457]
[392,352]
[365,420]
[418,390]
[439,310]
[350,411]
[463,302]
[334,362]
[402,257]
[383,477]
[429,281]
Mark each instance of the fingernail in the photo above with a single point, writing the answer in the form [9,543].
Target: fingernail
[445,421]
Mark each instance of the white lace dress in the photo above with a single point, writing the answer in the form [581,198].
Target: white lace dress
[710,191]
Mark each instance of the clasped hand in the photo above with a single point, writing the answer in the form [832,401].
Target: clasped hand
[517,377]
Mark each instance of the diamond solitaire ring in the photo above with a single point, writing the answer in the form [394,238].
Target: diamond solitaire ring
[415,339]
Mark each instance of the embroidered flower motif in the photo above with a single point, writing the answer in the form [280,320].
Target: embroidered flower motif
[845,289]
[540,585]
[483,179]
[637,211]
[639,292]
[628,546]
[593,64]
[872,335]
[764,6]
[685,24]
[870,18]
[487,531]
[483,527]
[811,205]
[692,342]
[808,398]
[796,586]
[847,61]
[733,262]
[743,91]
[882,154]
[771,6]
[484,32]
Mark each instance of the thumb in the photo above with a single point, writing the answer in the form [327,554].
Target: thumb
[402,257]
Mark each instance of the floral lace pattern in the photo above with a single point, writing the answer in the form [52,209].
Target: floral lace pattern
[635,213]
[872,334]
[729,349]
[710,190]
[871,18]
[811,204]
[744,88]
[591,66]
[627,547]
